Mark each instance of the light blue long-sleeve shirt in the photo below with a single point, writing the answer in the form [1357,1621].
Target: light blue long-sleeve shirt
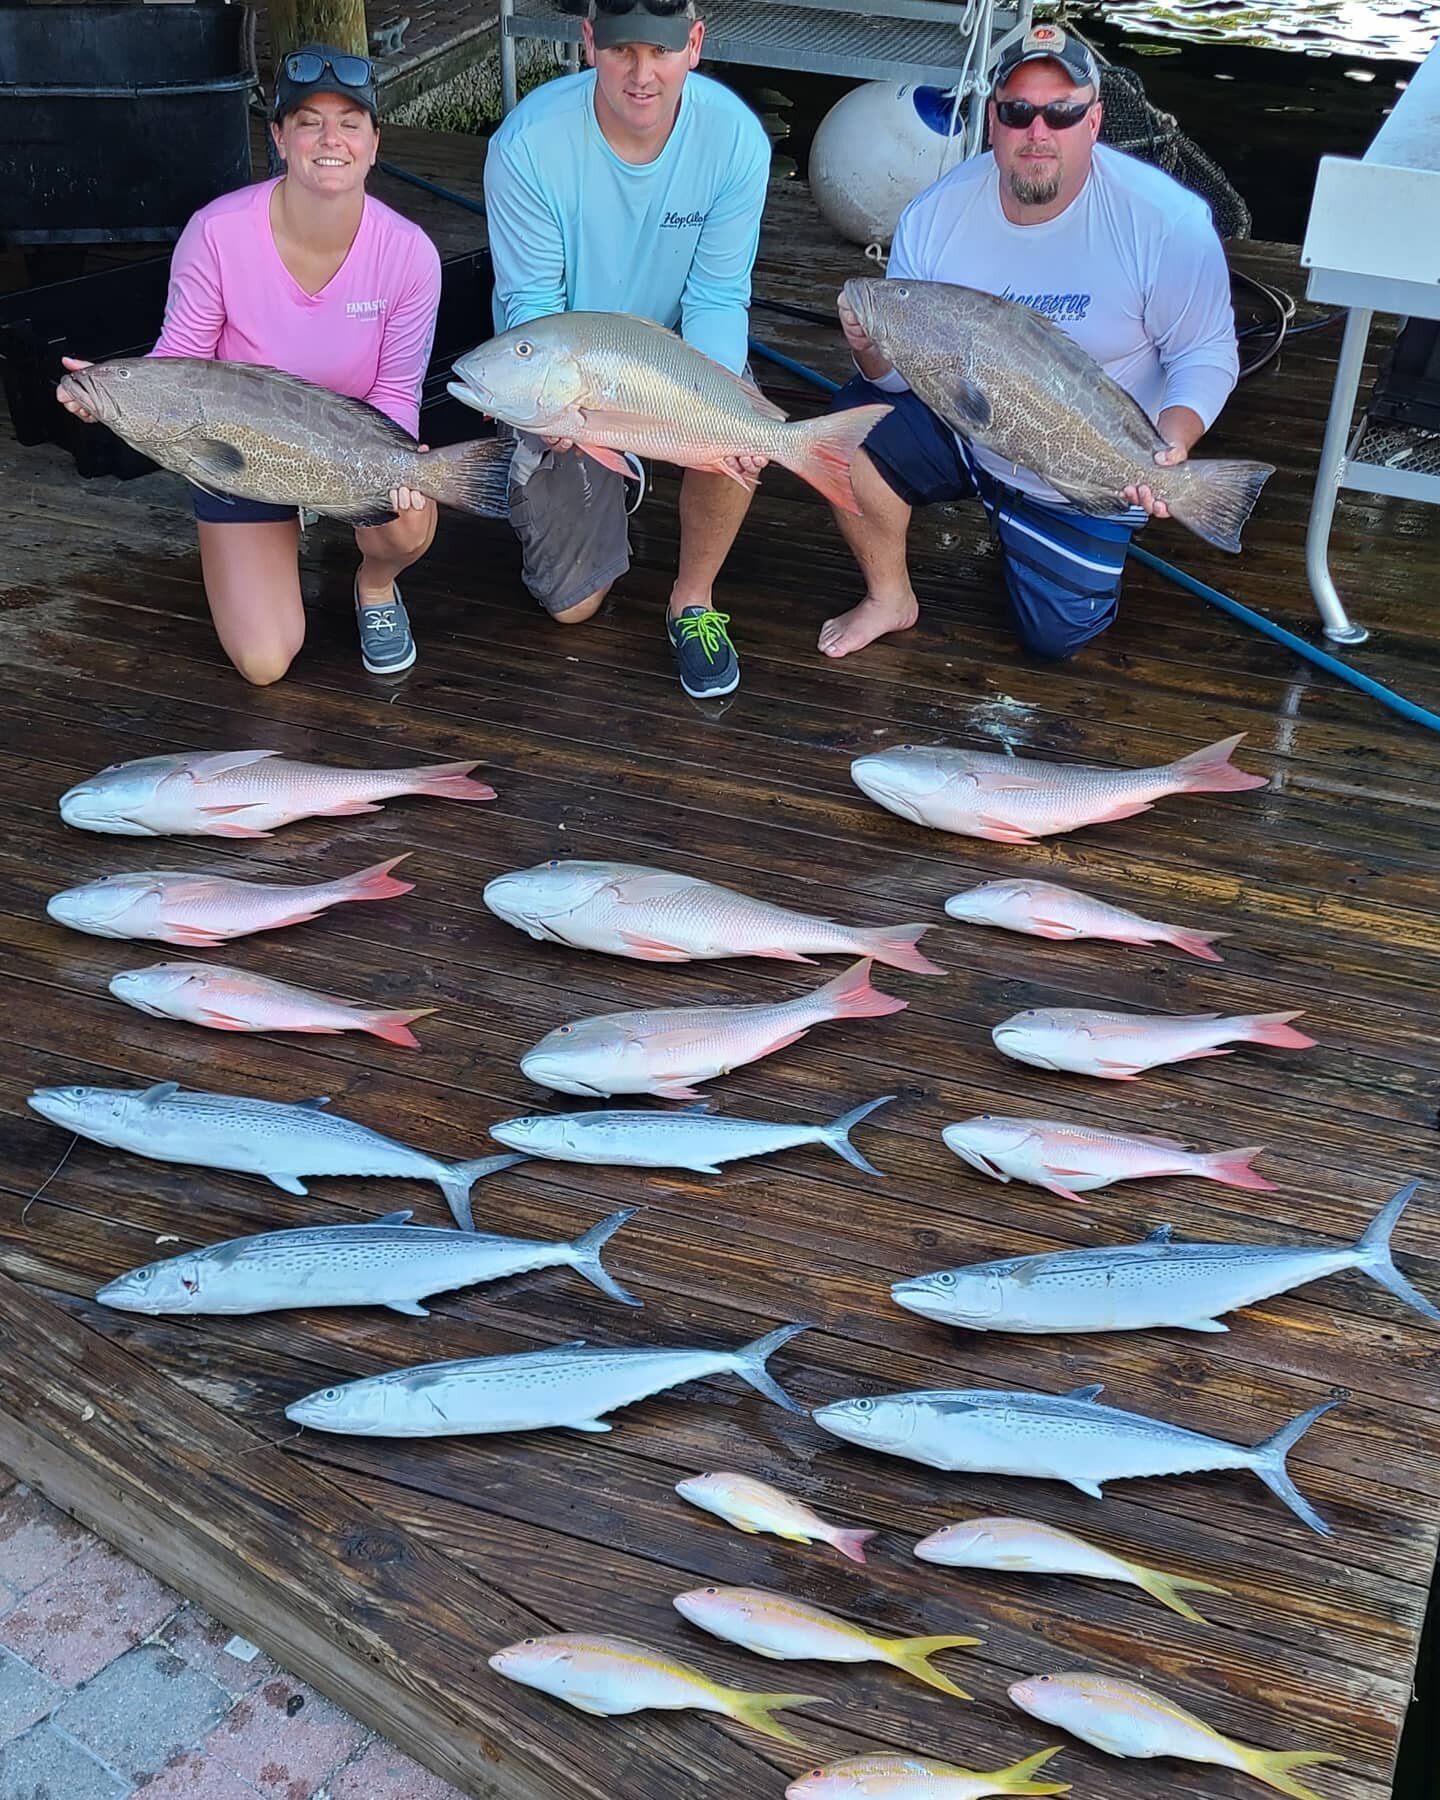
[573,227]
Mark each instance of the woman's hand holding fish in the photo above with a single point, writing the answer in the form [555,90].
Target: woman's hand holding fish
[74,365]
[405,499]
[745,468]
[1144,496]
[870,360]
[554,443]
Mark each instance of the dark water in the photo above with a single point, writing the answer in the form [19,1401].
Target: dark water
[1264,91]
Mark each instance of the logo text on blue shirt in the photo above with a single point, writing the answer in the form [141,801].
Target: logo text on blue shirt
[674,221]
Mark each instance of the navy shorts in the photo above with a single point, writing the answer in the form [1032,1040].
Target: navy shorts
[230,509]
[1062,567]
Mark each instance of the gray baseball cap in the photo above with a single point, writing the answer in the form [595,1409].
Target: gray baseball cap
[664,23]
[1048,43]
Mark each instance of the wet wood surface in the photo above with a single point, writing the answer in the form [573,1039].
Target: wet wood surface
[387,1571]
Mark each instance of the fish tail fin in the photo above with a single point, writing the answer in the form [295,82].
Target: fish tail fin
[450,781]
[473,477]
[1374,1248]
[1269,1465]
[457,1181]
[824,447]
[1215,498]
[754,1710]
[1017,1778]
[1232,1167]
[394,1027]
[1210,771]
[1273,1767]
[1197,943]
[1166,1589]
[852,1544]
[586,1251]
[850,996]
[897,946]
[749,1365]
[375,883]
[837,1133]
[1276,1030]
[913,1656]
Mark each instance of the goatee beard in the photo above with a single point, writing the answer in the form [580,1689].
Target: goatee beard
[1035,190]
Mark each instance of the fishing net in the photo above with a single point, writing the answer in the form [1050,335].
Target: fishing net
[1132,124]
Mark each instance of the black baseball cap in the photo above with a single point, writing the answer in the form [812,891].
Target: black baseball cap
[1044,43]
[664,23]
[322,69]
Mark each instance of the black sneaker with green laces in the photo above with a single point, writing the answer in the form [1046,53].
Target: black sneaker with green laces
[709,667]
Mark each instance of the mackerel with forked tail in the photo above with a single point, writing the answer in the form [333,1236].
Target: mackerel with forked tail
[1058,1437]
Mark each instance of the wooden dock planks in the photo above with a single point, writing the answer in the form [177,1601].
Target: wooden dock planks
[386,1572]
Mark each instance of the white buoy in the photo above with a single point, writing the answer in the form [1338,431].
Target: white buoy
[876,148]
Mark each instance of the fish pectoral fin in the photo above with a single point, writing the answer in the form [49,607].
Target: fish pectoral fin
[220,461]
[672,1088]
[218,1021]
[590,1425]
[607,459]
[582,1703]
[411,1308]
[193,935]
[1053,928]
[1092,1488]
[651,949]
[969,406]
[288,1184]
[1003,831]
[1059,1189]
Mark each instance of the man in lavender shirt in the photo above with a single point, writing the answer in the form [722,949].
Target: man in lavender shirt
[309,274]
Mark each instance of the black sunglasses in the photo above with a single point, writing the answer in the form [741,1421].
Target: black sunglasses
[350,71]
[1059,115]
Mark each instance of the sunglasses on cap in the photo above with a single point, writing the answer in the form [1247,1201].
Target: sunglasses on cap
[304,66]
[1059,115]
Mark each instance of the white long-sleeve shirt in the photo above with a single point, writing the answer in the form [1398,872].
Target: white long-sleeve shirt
[1132,270]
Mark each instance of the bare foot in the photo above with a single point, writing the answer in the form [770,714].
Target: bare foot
[871,619]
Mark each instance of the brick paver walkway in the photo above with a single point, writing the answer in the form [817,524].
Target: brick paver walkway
[112,1686]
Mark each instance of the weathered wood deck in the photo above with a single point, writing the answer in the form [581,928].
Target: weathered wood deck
[386,1572]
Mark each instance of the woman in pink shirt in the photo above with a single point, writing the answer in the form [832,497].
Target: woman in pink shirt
[309,274]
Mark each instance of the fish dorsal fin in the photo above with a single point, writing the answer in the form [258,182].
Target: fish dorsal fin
[1093,1391]
[652,884]
[221,762]
[313,1105]
[1160,1235]
[162,1090]
[396,1218]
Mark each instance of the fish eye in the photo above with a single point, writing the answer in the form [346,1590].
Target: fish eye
[121,374]
[945,1280]
[864,1406]
[712,1590]
[143,1274]
[564,1031]
[331,1394]
[902,293]
[524,348]
[554,863]
[527,1640]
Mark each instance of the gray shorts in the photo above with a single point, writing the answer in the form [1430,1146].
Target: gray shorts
[570,516]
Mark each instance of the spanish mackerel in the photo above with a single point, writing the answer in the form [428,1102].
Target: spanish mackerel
[239,428]
[1064,1437]
[278,1140]
[567,1386]
[1009,379]
[693,1139]
[385,1262]
[1138,1287]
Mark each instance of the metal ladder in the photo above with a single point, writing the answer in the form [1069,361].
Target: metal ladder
[940,43]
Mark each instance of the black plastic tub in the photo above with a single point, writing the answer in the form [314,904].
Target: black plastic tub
[118,312]
[118,121]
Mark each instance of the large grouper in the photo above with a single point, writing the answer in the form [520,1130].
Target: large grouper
[1009,379]
[237,428]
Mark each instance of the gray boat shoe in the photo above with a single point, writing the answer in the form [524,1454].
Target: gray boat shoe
[387,645]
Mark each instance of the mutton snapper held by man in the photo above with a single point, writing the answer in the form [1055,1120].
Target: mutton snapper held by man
[1058,1437]
[612,382]
[655,915]
[1009,379]
[241,429]
[662,1050]
[1016,799]
[384,1262]
[245,793]
[566,1387]
[278,1140]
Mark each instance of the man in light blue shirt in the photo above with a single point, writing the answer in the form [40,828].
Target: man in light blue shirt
[637,187]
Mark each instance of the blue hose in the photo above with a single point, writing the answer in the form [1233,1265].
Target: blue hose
[1407,709]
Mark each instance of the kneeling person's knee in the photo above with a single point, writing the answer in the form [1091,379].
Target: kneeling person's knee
[582,609]
[263,666]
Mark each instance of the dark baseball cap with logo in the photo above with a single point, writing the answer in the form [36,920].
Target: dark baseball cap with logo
[1044,43]
[664,23]
[322,69]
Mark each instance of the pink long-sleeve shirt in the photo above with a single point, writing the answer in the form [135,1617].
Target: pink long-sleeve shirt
[367,333]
